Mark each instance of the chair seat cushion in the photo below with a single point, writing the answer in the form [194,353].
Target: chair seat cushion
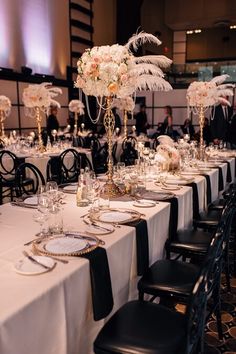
[208,219]
[191,240]
[169,276]
[143,328]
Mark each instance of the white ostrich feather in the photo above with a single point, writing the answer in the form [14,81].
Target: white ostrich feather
[225,92]
[220,79]
[141,38]
[225,86]
[159,60]
[144,68]
[224,101]
[165,139]
[152,83]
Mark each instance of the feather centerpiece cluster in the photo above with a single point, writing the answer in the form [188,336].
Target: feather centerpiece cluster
[5,105]
[40,96]
[209,93]
[124,104]
[76,106]
[115,72]
[168,154]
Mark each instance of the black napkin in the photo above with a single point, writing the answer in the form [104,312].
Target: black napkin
[208,191]
[174,212]
[142,245]
[229,175]
[221,180]
[102,296]
[195,200]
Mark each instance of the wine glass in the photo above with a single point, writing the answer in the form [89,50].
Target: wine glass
[41,216]
[52,190]
[54,134]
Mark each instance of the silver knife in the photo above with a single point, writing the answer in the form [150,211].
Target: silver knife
[34,260]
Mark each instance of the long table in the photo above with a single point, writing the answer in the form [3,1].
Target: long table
[52,313]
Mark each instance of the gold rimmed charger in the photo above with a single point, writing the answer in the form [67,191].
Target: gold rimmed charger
[116,216]
[69,244]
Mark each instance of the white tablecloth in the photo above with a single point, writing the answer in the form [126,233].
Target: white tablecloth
[52,313]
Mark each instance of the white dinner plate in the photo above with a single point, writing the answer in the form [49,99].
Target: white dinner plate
[27,267]
[63,245]
[70,188]
[115,216]
[144,203]
[31,200]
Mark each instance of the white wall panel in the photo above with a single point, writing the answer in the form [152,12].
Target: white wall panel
[8,88]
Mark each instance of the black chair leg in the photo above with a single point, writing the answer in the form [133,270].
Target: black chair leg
[227,271]
[141,296]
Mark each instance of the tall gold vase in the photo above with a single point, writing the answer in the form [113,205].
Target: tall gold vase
[201,124]
[110,189]
[39,120]
[125,123]
[2,118]
[76,124]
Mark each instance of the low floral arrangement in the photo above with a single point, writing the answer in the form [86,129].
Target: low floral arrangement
[76,106]
[113,71]
[40,96]
[210,93]
[169,155]
[124,104]
[5,105]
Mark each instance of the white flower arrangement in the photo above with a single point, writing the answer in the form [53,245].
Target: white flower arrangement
[168,154]
[113,71]
[5,105]
[40,96]
[76,106]
[124,104]
[210,93]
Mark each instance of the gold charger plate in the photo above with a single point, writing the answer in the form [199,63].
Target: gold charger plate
[87,244]
[116,216]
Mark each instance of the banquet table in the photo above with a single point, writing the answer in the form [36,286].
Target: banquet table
[52,313]
[40,161]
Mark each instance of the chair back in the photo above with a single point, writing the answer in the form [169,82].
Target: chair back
[129,139]
[208,277]
[100,159]
[8,165]
[28,179]
[78,141]
[70,164]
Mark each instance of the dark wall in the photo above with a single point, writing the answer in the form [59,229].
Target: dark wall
[128,19]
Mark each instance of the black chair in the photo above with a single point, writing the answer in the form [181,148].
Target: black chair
[130,140]
[100,158]
[143,327]
[129,154]
[173,280]
[8,165]
[36,179]
[70,162]
[78,141]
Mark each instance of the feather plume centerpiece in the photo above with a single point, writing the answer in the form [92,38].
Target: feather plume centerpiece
[209,93]
[114,72]
[40,96]
[203,95]
[76,106]
[5,109]
[37,99]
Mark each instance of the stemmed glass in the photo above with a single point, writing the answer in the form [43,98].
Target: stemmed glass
[54,134]
[52,190]
[42,214]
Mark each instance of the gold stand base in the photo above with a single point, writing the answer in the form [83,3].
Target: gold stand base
[111,190]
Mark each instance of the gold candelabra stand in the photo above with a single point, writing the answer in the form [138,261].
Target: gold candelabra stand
[201,123]
[110,189]
[76,124]
[2,118]
[39,120]
[125,123]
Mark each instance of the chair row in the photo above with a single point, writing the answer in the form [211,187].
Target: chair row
[146,327]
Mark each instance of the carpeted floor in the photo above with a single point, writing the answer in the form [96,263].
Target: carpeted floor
[228,345]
